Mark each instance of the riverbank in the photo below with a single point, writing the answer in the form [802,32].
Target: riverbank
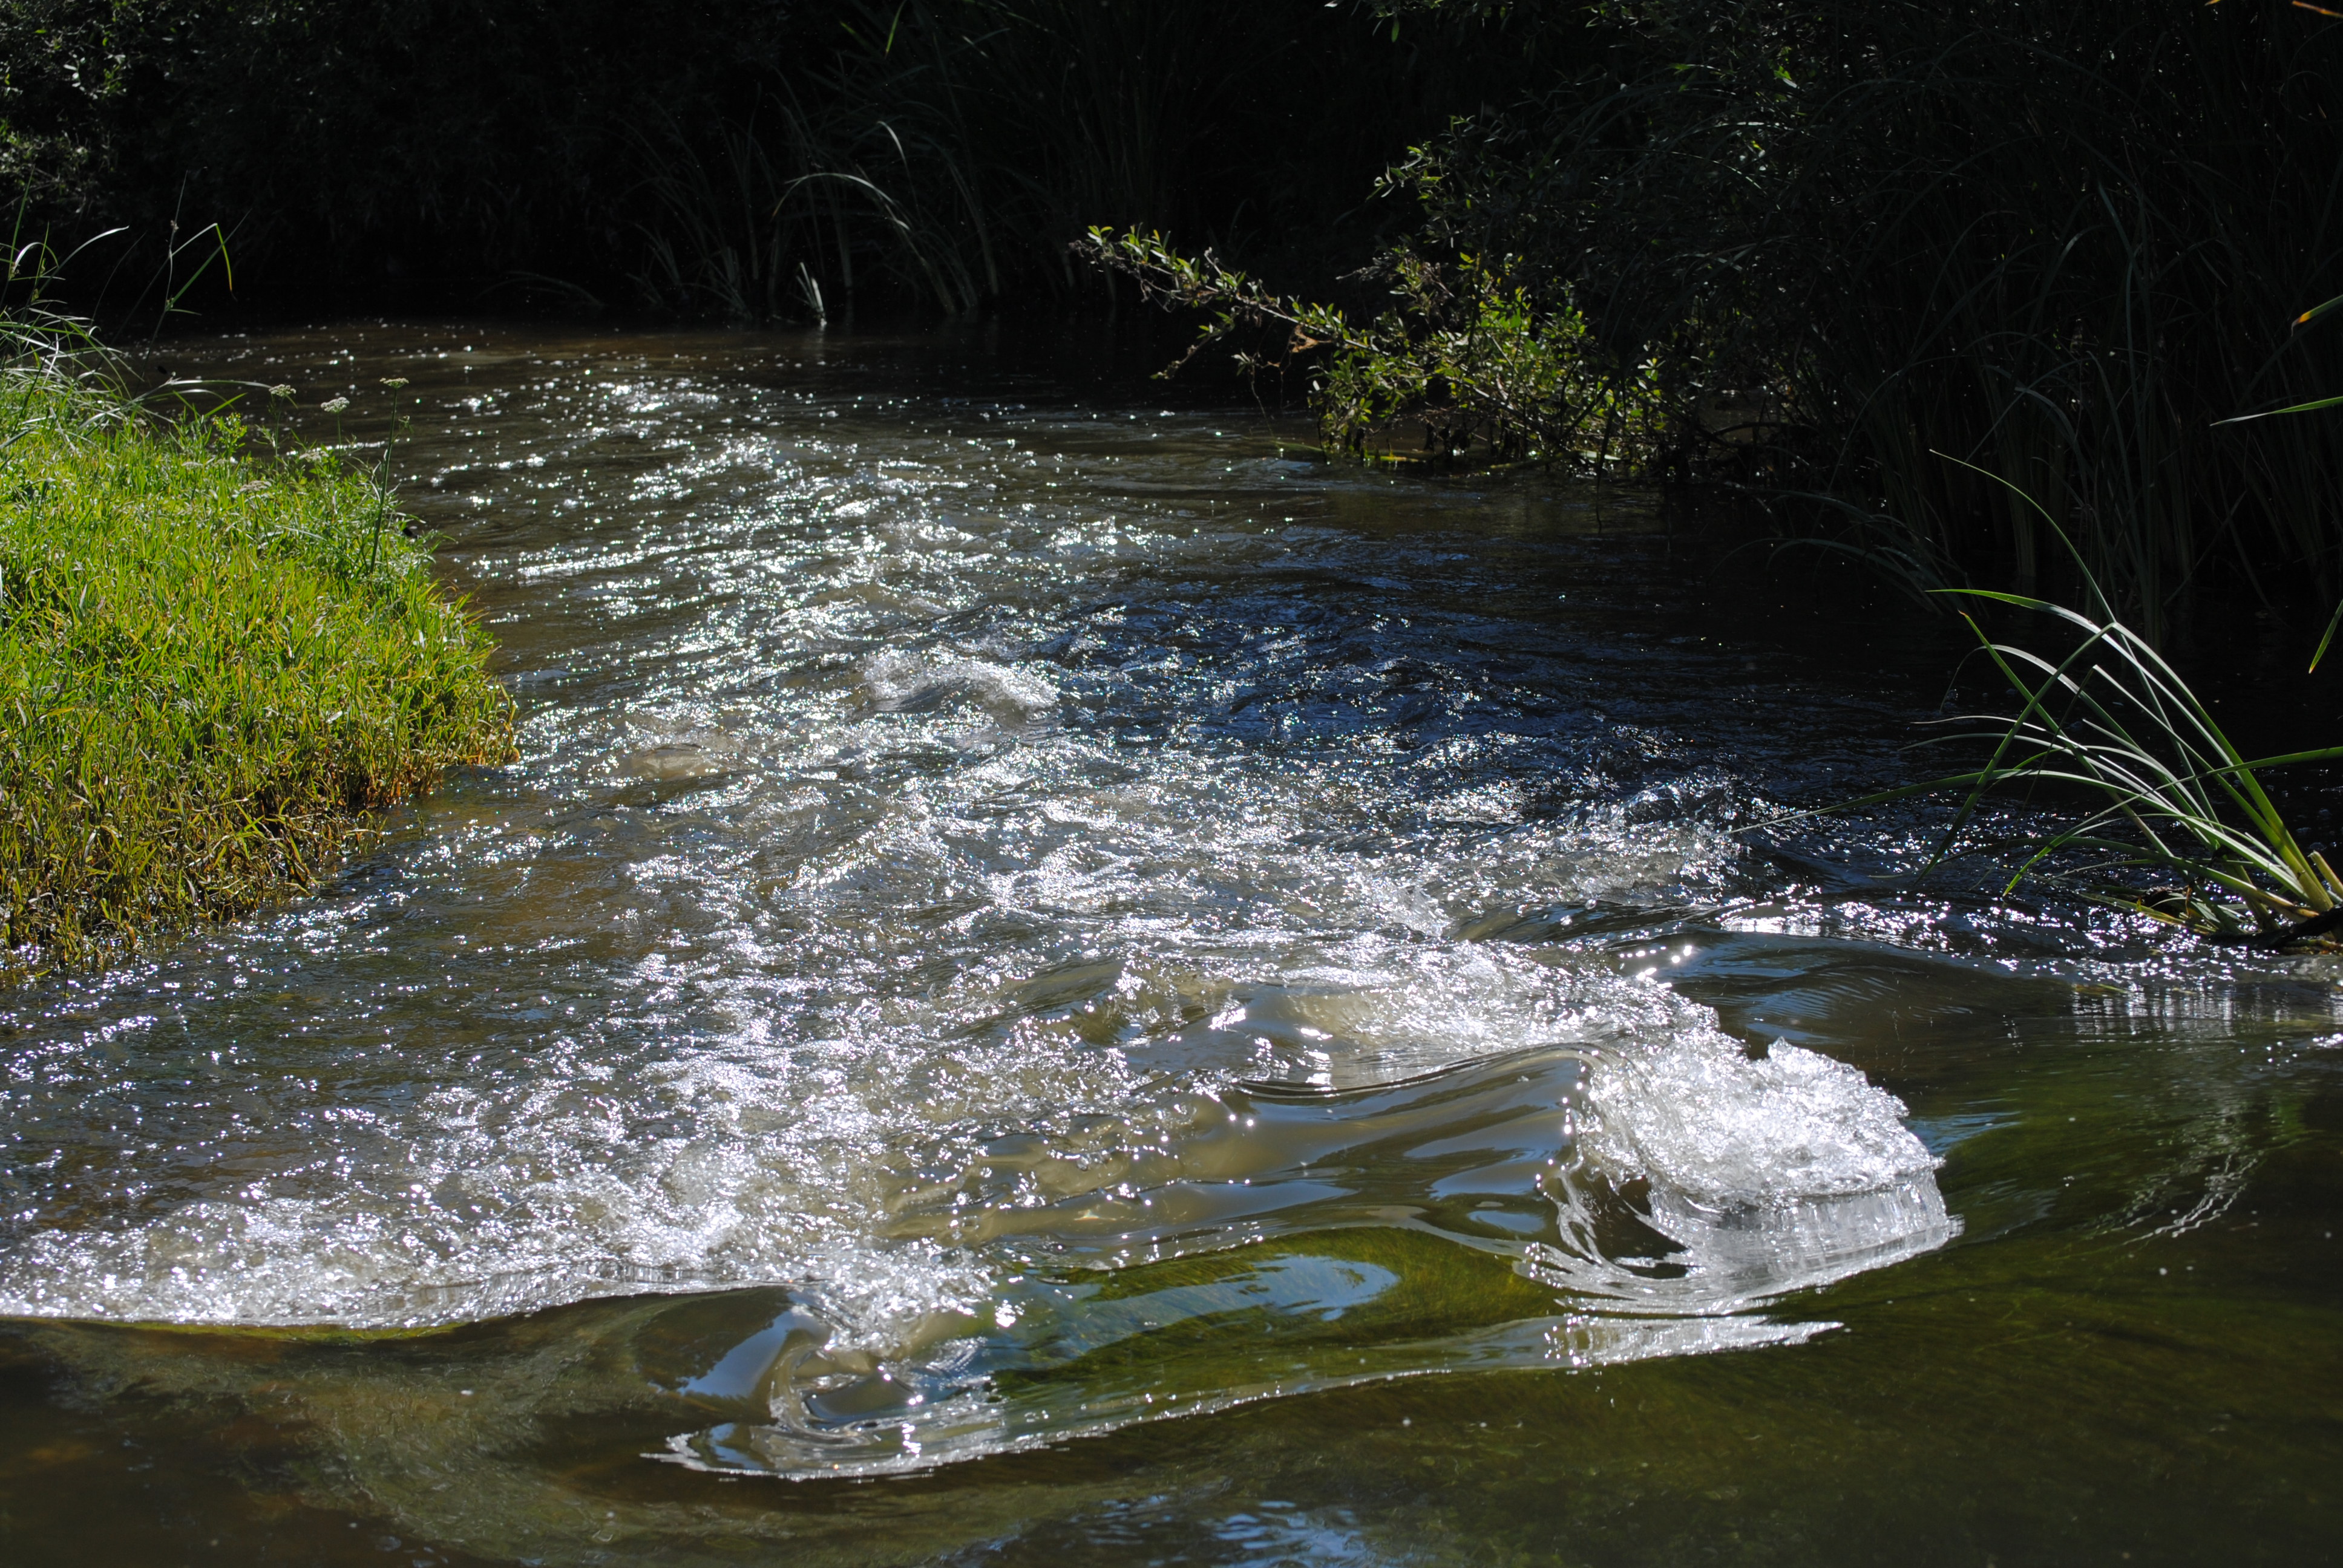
[210,666]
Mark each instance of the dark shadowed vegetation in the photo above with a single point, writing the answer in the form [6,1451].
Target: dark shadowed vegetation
[785,160]
[1830,248]
[1842,261]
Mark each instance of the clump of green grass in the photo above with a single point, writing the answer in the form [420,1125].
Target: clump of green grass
[2169,793]
[210,666]
[2165,792]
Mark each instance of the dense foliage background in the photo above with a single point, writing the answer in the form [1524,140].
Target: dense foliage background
[1954,284]
[692,155]
[1946,285]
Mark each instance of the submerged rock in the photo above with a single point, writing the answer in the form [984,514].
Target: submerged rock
[679,761]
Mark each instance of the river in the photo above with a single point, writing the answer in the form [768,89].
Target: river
[1057,981]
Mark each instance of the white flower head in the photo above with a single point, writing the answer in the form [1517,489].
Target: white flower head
[335,405]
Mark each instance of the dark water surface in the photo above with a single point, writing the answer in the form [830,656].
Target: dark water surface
[1058,982]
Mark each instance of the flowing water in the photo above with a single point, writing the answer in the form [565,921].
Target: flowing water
[1058,981]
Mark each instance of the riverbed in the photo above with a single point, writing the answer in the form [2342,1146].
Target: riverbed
[1059,980]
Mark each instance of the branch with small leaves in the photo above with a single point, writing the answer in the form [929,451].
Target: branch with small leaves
[1463,354]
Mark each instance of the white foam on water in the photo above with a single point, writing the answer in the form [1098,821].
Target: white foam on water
[1765,1174]
[902,682]
[1702,1119]
[775,1155]
[587,1046]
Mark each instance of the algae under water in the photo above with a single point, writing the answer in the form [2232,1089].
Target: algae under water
[1058,981]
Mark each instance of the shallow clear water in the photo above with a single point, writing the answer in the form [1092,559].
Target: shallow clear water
[1057,979]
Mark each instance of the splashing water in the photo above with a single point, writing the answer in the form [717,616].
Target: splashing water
[987,883]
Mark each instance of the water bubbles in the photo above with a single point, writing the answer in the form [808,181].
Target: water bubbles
[944,879]
[907,683]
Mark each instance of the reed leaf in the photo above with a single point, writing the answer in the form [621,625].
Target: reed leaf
[2166,789]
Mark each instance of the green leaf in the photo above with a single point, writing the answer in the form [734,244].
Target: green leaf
[2332,622]
[2270,413]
